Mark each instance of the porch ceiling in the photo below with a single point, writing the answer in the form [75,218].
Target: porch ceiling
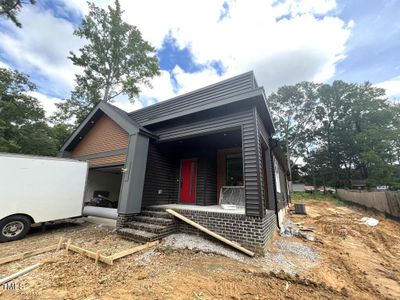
[227,139]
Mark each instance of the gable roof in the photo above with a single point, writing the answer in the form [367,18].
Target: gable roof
[114,113]
[238,88]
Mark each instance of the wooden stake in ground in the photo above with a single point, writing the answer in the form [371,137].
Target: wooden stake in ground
[60,242]
[213,234]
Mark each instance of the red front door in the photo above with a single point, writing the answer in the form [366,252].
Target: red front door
[188,180]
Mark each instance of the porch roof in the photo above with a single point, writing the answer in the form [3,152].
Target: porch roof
[236,89]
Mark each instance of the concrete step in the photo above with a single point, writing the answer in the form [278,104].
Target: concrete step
[148,227]
[156,214]
[138,235]
[153,208]
[152,220]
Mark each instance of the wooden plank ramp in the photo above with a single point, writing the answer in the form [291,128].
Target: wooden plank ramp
[209,232]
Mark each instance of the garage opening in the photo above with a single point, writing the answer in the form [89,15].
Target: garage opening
[103,186]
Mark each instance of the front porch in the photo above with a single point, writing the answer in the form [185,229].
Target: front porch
[207,209]
[192,171]
[190,175]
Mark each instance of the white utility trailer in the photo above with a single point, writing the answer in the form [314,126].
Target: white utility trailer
[35,189]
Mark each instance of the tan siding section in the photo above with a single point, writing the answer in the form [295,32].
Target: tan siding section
[104,136]
[110,160]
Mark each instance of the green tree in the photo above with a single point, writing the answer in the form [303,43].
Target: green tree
[347,131]
[60,133]
[116,60]
[23,127]
[354,136]
[293,113]
[10,8]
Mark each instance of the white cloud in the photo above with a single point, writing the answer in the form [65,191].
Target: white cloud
[280,51]
[391,86]
[125,104]
[192,81]
[298,7]
[284,42]
[41,47]
[48,103]
[161,88]
[4,65]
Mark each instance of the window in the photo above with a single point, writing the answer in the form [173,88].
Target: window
[234,169]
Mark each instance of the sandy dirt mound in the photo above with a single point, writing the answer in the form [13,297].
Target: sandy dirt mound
[350,260]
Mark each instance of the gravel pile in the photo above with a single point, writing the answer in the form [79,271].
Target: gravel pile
[289,256]
[193,242]
[298,249]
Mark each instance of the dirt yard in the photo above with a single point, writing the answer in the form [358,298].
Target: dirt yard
[348,260]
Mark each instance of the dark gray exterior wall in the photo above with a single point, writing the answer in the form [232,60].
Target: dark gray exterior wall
[251,166]
[163,174]
[218,120]
[210,95]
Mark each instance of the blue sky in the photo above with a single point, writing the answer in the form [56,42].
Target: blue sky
[201,42]
[373,51]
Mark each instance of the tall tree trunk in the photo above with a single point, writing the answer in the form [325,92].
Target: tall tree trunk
[107,88]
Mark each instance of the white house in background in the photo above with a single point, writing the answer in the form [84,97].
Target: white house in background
[298,187]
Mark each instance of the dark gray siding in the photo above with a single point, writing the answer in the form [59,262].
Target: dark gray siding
[207,180]
[261,129]
[251,151]
[161,174]
[213,94]
[240,117]
[203,126]
[251,163]
[263,144]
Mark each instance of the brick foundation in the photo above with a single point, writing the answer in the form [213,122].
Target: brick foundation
[123,220]
[251,232]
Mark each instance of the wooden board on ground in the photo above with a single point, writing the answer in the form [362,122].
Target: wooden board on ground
[27,254]
[213,234]
[109,260]
[71,247]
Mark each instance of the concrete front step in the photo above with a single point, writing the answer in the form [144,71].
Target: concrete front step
[152,220]
[138,235]
[156,214]
[143,236]
[150,227]
[153,208]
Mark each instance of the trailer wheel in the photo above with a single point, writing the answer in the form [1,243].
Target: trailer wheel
[14,228]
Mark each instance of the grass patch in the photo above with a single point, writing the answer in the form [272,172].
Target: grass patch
[302,196]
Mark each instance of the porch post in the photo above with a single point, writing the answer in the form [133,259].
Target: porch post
[130,199]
